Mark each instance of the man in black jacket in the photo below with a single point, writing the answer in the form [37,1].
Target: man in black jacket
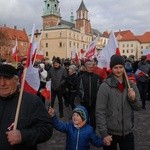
[34,124]
[88,86]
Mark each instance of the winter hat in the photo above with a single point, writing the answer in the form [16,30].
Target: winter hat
[73,68]
[116,60]
[82,112]
[128,66]
[7,70]
[42,65]
[57,60]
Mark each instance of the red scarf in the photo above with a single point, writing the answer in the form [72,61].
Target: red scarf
[120,86]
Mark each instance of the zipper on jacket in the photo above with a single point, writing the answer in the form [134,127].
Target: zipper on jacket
[77,144]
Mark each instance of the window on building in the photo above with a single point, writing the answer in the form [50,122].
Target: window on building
[127,45]
[46,35]
[127,51]
[123,51]
[70,44]
[60,44]
[77,45]
[131,50]
[47,5]
[46,44]
[60,34]
[141,47]
[131,45]
[46,53]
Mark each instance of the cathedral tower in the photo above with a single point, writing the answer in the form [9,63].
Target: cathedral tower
[82,21]
[51,13]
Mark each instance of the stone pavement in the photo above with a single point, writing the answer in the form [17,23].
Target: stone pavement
[141,132]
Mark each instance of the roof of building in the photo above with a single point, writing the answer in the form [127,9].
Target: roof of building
[82,7]
[145,38]
[14,33]
[126,35]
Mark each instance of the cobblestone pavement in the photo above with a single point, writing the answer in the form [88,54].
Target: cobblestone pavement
[141,132]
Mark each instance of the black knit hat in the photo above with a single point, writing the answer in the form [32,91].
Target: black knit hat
[116,60]
[57,60]
[7,70]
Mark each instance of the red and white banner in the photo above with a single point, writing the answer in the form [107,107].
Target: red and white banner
[90,51]
[40,54]
[147,53]
[32,79]
[74,55]
[46,92]
[110,49]
[15,52]
[140,73]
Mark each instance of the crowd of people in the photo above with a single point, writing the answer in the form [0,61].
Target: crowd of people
[102,103]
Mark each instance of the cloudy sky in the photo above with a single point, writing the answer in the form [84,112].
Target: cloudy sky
[104,14]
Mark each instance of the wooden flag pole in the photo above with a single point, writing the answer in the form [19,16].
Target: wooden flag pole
[19,100]
[23,82]
[126,77]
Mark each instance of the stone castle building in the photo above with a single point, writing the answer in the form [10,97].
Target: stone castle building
[61,37]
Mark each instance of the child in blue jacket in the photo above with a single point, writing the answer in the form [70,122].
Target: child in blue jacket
[79,133]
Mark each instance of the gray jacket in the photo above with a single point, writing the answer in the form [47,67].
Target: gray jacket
[114,110]
[57,77]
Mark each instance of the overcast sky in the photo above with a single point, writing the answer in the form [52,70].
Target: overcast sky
[104,14]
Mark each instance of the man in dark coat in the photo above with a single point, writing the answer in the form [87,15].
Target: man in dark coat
[34,124]
[88,86]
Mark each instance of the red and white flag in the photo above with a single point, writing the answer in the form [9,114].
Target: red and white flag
[46,92]
[15,52]
[110,49]
[32,79]
[90,51]
[147,53]
[39,54]
[74,55]
[140,73]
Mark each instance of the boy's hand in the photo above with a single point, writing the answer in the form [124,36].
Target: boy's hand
[51,112]
[107,140]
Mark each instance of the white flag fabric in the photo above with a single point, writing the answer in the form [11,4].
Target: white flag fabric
[146,51]
[90,51]
[110,49]
[32,79]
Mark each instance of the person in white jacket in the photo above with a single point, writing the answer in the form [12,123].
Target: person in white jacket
[43,77]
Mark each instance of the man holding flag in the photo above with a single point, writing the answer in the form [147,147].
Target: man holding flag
[34,124]
[116,100]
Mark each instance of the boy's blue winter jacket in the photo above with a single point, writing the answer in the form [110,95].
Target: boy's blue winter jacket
[77,139]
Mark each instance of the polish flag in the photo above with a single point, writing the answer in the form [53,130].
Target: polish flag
[46,92]
[140,73]
[147,53]
[74,55]
[15,52]
[110,49]
[82,51]
[90,51]
[39,55]
[32,79]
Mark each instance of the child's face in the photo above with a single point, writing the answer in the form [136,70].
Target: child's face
[77,120]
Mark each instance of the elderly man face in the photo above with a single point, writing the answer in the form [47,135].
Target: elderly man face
[89,66]
[8,85]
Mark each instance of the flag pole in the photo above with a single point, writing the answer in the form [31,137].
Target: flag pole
[19,100]
[23,82]
[126,77]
